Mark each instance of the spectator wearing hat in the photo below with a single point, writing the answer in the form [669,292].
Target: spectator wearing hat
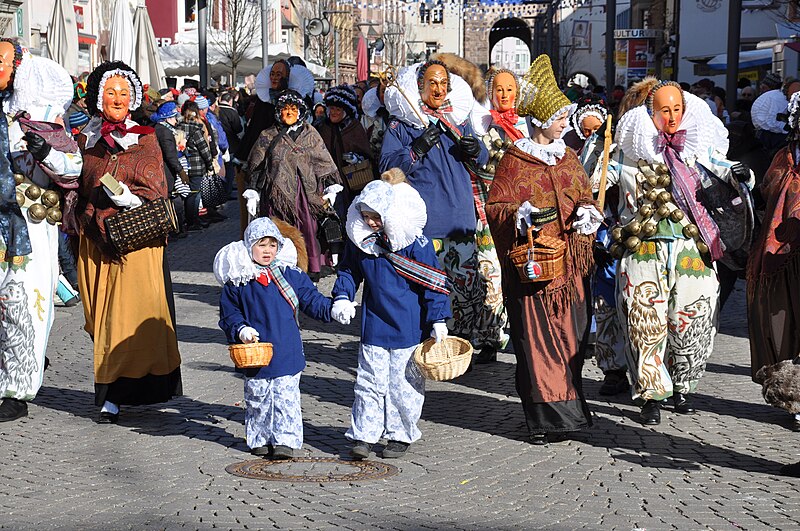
[771,81]
[217,145]
[77,121]
[344,136]
[166,120]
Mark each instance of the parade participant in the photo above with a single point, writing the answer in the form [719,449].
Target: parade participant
[136,359]
[262,293]
[667,288]
[288,169]
[549,320]
[431,142]
[43,157]
[404,300]
[772,271]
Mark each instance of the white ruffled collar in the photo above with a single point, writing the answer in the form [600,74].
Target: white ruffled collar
[637,134]
[92,133]
[370,103]
[234,263]
[550,153]
[460,97]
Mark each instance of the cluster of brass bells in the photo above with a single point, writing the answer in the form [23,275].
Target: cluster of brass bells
[497,148]
[656,205]
[46,203]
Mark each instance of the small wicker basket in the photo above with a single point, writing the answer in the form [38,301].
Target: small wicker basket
[251,355]
[358,175]
[443,361]
[549,252]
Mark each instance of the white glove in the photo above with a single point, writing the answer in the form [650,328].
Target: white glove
[524,215]
[439,332]
[342,311]
[248,334]
[124,200]
[587,219]
[252,201]
[329,194]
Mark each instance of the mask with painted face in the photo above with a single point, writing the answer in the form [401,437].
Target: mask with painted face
[504,92]
[7,64]
[434,86]
[116,98]
[668,109]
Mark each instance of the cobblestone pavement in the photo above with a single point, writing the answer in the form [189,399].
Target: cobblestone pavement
[163,466]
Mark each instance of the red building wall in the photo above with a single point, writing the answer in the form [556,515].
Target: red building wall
[164,16]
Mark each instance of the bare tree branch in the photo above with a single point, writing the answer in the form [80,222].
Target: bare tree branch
[319,49]
[242,24]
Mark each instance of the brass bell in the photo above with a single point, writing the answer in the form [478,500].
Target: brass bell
[20,198]
[53,215]
[640,176]
[507,143]
[652,181]
[617,250]
[649,228]
[702,247]
[19,178]
[676,215]
[634,227]
[33,192]
[50,198]
[664,197]
[691,231]
[37,212]
[616,234]
[663,211]
[662,168]
[498,143]
[646,211]
[633,244]
[491,167]
[664,180]
[651,195]
[647,170]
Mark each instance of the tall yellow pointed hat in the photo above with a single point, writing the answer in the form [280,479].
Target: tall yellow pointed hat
[539,95]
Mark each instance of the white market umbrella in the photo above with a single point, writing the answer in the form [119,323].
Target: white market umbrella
[62,36]
[121,47]
[147,61]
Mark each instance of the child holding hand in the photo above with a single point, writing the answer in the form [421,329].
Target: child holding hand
[405,298]
[261,296]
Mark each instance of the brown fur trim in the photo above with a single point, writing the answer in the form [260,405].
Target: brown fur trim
[294,234]
[636,95]
[781,385]
[466,70]
[393,176]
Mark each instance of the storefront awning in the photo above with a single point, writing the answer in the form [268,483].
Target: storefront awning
[85,38]
[747,59]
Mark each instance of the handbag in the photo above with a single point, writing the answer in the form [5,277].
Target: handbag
[212,190]
[131,230]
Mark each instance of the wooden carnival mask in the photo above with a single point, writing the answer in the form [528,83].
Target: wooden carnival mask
[589,125]
[668,109]
[6,64]
[116,98]
[278,76]
[290,114]
[504,92]
[434,86]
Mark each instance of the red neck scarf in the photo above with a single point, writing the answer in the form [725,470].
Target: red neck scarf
[109,127]
[507,120]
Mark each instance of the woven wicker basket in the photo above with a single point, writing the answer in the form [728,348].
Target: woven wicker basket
[358,175]
[251,355]
[443,361]
[549,252]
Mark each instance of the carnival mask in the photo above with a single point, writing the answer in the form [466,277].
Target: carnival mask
[668,109]
[335,114]
[6,64]
[589,125]
[434,86]
[116,99]
[277,76]
[504,92]
[290,114]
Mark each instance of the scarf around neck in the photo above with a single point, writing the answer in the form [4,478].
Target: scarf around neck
[507,120]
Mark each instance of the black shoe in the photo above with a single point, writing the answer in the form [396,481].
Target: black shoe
[681,404]
[203,222]
[262,451]
[651,413]
[394,449]
[538,439]
[792,470]
[360,450]
[12,409]
[282,452]
[106,417]
[69,303]
[486,355]
[194,227]
[46,362]
[614,383]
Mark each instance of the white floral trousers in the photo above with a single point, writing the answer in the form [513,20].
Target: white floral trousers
[273,415]
[389,394]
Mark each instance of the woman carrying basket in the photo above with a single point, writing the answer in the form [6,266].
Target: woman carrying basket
[539,182]
[127,298]
[405,299]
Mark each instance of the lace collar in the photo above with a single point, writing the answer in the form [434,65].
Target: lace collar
[550,154]
[92,133]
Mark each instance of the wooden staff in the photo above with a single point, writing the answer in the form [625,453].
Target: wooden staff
[601,193]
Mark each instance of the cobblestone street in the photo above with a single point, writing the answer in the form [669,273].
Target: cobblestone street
[163,466]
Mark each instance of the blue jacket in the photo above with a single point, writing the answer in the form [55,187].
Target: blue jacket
[397,313]
[439,177]
[264,308]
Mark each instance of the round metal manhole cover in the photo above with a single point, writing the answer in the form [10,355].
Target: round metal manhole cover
[312,470]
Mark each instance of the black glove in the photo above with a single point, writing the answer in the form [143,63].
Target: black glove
[470,146]
[741,172]
[423,143]
[37,146]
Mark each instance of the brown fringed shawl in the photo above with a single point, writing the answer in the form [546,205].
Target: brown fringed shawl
[305,157]
[521,177]
[779,241]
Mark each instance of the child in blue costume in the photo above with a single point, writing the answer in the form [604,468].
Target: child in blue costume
[261,295]
[405,299]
